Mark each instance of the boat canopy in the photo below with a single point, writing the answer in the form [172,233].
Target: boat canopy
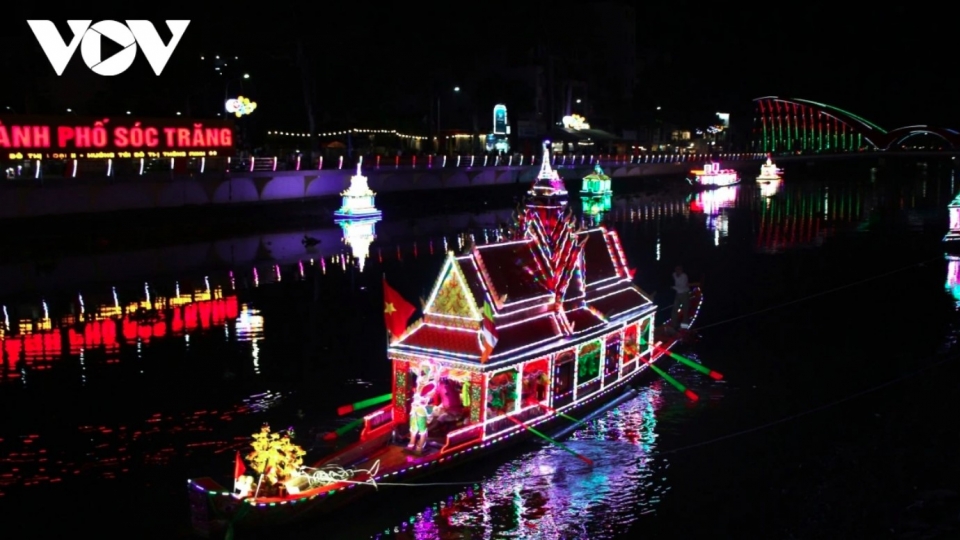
[551,285]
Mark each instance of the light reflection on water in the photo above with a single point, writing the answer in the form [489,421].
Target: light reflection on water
[551,494]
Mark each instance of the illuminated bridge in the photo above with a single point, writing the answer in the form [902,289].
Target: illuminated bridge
[800,125]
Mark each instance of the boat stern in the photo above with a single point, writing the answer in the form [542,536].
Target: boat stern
[211,507]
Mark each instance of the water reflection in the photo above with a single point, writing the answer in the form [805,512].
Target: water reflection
[35,342]
[712,203]
[770,188]
[595,207]
[953,278]
[551,494]
[359,234]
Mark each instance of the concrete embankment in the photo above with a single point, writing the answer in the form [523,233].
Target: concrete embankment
[73,196]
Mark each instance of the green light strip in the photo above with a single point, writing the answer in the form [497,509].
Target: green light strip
[848,113]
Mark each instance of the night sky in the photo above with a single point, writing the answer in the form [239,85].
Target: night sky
[889,64]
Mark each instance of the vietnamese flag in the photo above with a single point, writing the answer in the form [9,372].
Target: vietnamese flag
[238,467]
[396,310]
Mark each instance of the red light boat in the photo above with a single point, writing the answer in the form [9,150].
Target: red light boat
[514,334]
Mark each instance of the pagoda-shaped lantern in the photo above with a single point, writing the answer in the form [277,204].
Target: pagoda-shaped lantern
[548,196]
[596,183]
[358,200]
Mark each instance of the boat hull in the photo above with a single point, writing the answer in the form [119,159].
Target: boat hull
[215,511]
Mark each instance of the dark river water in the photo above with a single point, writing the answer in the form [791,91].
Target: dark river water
[829,307]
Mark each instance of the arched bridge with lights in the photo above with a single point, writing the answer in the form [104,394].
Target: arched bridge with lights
[800,125]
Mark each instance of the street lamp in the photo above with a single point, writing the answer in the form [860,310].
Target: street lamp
[226,87]
[456,88]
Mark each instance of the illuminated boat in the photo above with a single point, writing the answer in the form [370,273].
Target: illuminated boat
[358,199]
[769,172]
[516,336]
[713,176]
[953,235]
[596,183]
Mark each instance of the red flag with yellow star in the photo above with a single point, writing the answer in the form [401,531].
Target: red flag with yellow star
[396,310]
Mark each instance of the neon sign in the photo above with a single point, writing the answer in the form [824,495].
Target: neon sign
[500,124]
[575,122]
[241,106]
[63,138]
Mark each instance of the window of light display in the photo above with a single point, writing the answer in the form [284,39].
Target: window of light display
[563,377]
[611,356]
[588,362]
[502,395]
[645,336]
[536,383]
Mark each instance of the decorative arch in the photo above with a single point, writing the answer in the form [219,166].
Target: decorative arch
[897,136]
[801,125]
[792,125]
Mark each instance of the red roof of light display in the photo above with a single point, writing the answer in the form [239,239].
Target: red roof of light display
[554,282]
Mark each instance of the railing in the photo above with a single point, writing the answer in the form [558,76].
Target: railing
[377,423]
[37,169]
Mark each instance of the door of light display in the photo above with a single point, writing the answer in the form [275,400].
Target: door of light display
[611,359]
[563,375]
[589,358]
[631,349]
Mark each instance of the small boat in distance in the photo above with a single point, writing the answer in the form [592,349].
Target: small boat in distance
[713,176]
[517,336]
[358,199]
[769,171]
[596,183]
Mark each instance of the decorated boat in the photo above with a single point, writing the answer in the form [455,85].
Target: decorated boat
[713,176]
[358,199]
[515,338]
[953,235]
[596,183]
[769,172]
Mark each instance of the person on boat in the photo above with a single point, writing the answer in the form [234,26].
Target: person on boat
[681,303]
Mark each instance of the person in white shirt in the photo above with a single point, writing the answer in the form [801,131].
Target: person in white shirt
[681,311]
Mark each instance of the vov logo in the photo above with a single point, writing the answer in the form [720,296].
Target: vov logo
[89,39]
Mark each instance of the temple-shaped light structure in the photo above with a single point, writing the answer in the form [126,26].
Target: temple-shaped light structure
[769,171]
[358,200]
[548,183]
[359,234]
[596,183]
[953,235]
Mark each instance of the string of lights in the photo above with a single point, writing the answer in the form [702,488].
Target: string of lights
[349,132]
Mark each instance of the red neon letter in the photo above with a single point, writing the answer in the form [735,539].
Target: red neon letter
[120,137]
[65,134]
[150,137]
